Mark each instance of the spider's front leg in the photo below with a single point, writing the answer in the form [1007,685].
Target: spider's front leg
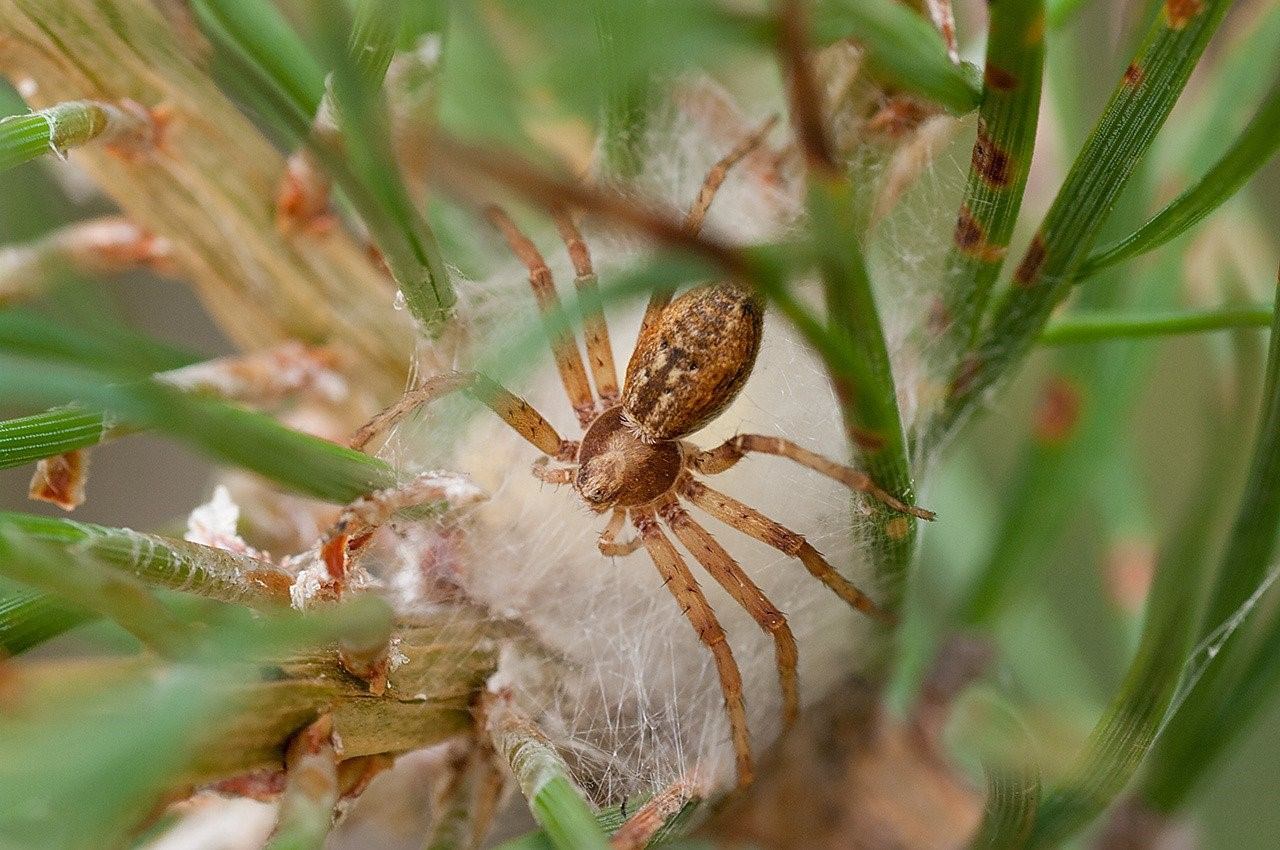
[731,451]
[608,542]
[557,475]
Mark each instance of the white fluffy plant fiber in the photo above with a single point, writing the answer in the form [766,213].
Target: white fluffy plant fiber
[637,702]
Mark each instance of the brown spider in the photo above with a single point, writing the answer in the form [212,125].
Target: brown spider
[693,355]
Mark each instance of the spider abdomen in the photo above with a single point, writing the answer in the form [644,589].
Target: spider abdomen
[692,363]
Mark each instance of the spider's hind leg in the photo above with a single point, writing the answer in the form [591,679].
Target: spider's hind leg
[721,566]
[680,581]
[564,346]
[755,524]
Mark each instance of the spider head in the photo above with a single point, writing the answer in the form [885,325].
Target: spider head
[617,469]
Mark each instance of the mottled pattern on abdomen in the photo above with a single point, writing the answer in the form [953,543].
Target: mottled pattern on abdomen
[693,363]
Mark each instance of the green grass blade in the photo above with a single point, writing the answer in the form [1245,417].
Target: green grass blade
[903,47]
[258,28]
[1181,760]
[401,232]
[84,583]
[1250,151]
[1012,771]
[30,438]
[29,617]
[866,388]
[1100,325]
[626,92]
[229,434]
[59,128]
[543,778]
[1146,701]
[31,334]
[1007,121]
[1138,108]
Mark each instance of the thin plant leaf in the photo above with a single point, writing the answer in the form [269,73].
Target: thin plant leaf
[1146,701]
[1100,325]
[865,385]
[1250,151]
[1138,108]
[1180,759]
[1007,121]
[232,435]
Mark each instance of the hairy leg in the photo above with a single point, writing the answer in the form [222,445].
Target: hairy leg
[732,450]
[556,475]
[701,204]
[678,580]
[721,566]
[513,410]
[608,542]
[594,327]
[563,345]
[755,524]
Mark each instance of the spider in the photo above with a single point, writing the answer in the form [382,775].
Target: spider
[693,355]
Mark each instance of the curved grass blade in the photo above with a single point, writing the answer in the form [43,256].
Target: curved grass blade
[1147,700]
[1250,151]
[1180,759]
[30,617]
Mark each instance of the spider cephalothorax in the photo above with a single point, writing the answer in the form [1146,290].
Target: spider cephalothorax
[692,357]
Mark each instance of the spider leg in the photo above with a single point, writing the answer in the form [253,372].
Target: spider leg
[697,213]
[608,538]
[724,569]
[564,346]
[755,524]
[732,450]
[553,474]
[683,586]
[513,410]
[594,327]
